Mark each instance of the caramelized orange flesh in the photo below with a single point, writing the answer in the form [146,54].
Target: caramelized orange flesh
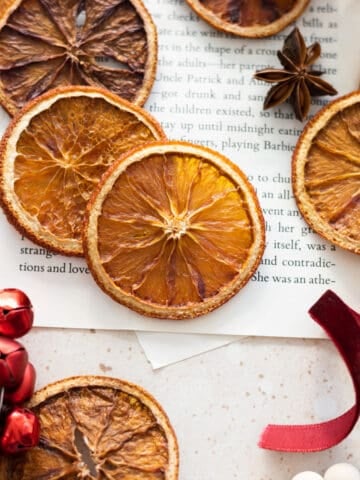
[174,230]
[124,440]
[249,12]
[332,173]
[62,154]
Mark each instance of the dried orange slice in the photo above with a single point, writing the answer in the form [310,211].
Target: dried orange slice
[97,428]
[54,153]
[44,44]
[173,230]
[249,18]
[326,172]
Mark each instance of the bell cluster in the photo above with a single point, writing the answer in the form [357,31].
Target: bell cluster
[19,426]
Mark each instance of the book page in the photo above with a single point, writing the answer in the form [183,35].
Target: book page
[205,93]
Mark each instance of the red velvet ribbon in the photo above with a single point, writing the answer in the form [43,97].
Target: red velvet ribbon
[342,325]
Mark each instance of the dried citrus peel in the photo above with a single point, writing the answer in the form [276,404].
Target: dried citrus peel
[249,18]
[43,45]
[173,230]
[54,153]
[97,427]
[326,172]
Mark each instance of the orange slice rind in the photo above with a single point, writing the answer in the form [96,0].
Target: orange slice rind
[124,431]
[326,172]
[173,230]
[54,153]
[249,18]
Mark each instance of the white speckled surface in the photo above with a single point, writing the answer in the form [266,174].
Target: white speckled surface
[219,402]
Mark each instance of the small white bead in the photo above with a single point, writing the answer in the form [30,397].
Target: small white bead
[342,471]
[307,476]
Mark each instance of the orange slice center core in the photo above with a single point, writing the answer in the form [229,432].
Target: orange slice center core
[176,227]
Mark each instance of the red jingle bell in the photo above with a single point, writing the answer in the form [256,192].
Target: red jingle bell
[13,361]
[24,390]
[21,431]
[16,314]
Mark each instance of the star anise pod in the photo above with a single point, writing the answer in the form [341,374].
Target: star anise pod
[296,82]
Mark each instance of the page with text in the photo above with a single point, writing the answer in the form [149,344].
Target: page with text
[205,93]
